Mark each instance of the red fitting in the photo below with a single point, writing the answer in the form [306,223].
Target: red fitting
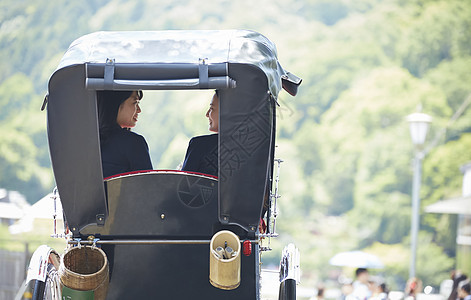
[247,248]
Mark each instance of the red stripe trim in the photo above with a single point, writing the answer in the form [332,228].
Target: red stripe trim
[158,171]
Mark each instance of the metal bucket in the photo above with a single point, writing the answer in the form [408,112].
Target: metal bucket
[224,269]
[85,270]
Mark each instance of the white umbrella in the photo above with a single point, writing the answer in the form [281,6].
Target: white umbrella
[357,259]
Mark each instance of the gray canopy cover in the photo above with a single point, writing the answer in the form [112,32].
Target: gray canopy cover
[242,64]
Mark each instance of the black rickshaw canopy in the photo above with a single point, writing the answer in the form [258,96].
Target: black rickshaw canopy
[242,64]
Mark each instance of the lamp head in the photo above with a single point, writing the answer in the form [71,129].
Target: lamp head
[418,125]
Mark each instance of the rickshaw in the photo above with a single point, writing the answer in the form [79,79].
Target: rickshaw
[156,227]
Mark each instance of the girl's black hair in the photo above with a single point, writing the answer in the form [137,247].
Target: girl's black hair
[108,103]
[466,287]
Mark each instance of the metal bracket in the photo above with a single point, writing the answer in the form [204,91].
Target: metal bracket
[109,73]
[100,219]
[225,220]
[46,98]
[93,240]
[203,73]
[290,264]
[273,98]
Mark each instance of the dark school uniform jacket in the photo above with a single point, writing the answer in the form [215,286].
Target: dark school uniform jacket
[202,155]
[124,151]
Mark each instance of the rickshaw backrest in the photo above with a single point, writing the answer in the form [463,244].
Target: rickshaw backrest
[160,204]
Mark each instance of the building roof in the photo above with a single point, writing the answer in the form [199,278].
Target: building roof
[459,205]
[42,209]
[10,211]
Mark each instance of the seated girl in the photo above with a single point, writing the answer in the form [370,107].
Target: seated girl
[202,153]
[121,149]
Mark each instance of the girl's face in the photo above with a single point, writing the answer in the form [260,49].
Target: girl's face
[213,114]
[128,111]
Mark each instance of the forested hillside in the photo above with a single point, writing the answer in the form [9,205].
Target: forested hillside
[346,179]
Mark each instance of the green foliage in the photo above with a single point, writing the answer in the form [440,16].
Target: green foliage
[433,36]
[453,78]
[342,61]
[24,159]
[172,118]
[445,182]
[444,164]
[327,12]
[432,264]
[361,157]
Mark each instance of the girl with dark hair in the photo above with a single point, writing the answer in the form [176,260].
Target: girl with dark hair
[202,152]
[457,278]
[121,150]
[464,290]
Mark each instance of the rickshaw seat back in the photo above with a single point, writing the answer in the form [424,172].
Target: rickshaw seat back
[159,204]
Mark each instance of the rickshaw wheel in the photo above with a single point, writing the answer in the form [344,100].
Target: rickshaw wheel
[287,290]
[50,288]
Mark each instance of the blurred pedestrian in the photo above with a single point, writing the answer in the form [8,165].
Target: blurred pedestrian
[320,293]
[381,292]
[457,277]
[413,287]
[361,290]
[464,290]
[347,290]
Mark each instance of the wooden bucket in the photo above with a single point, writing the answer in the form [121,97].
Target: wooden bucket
[85,269]
[224,272]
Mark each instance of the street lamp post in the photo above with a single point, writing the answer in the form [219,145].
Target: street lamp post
[418,125]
